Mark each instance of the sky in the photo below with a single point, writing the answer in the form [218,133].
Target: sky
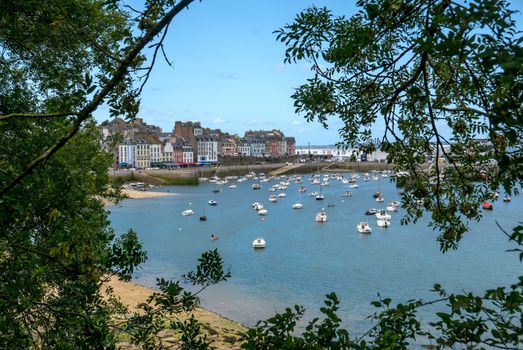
[228,70]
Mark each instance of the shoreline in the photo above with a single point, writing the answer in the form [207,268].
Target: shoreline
[223,332]
[135,194]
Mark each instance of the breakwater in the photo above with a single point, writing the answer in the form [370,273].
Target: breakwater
[190,176]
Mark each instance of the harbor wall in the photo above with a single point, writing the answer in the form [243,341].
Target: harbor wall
[190,176]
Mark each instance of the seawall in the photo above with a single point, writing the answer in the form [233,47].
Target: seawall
[190,176]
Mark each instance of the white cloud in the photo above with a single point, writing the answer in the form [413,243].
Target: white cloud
[218,120]
[296,122]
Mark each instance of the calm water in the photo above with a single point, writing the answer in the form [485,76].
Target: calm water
[305,260]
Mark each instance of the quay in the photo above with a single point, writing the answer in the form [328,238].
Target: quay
[190,176]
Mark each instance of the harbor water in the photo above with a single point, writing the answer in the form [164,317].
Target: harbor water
[304,260]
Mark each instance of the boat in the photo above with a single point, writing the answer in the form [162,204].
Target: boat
[273,199]
[391,208]
[487,206]
[371,211]
[320,196]
[212,202]
[214,237]
[262,211]
[302,189]
[321,216]
[232,186]
[255,186]
[383,222]
[382,214]
[397,204]
[346,194]
[281,195]
[257,206]
[297,205]
[354,186]
[376,195]
[216,190]
[258,243]
[187,212]
[363,227]
[506,199]
[380,199]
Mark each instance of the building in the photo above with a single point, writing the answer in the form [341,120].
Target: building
[290,143]
[348,154]
[244,148]
[143,154]
[187,154]
[155,151]
[229,147]
[207,149]
[127,154]
[257,147]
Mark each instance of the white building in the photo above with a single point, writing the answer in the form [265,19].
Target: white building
[155,153]
[127,153]
[257,147]
[340,154]
[244,148]
[207,149]
[168,152]
[188,154]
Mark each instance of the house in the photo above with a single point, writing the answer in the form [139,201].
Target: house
[207,149]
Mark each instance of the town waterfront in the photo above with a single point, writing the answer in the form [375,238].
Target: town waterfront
[305,260]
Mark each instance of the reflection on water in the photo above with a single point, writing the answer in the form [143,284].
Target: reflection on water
[304,260]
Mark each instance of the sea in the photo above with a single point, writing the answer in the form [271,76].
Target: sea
[304,260]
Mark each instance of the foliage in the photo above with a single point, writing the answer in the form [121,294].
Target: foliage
[163,308]
[59,62]
[440,74]
[434,73]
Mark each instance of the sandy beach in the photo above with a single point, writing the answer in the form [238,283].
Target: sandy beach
[224,333]
[134,194]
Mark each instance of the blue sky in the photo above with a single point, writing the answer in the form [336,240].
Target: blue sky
[228,70]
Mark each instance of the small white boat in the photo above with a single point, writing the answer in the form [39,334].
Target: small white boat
[383,222]
[187,212]
[346,194]
[256,186]
[391,208]
[319,197]
[380,199]
[506,199]
[262,212]
[281,195]
[232,186]
[297,205]
[371,211]
[395,203]
[354,186]
[212,202]
[257,206]
[273,199]
[321,216]
[382,214]
[363,227]
[258,243]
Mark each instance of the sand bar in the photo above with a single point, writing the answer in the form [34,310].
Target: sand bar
[224,333]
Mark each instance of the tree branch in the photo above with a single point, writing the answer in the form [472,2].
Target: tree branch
[3,118]
[120,72]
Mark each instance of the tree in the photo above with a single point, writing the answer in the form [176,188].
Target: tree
[60,61]
[440,75]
